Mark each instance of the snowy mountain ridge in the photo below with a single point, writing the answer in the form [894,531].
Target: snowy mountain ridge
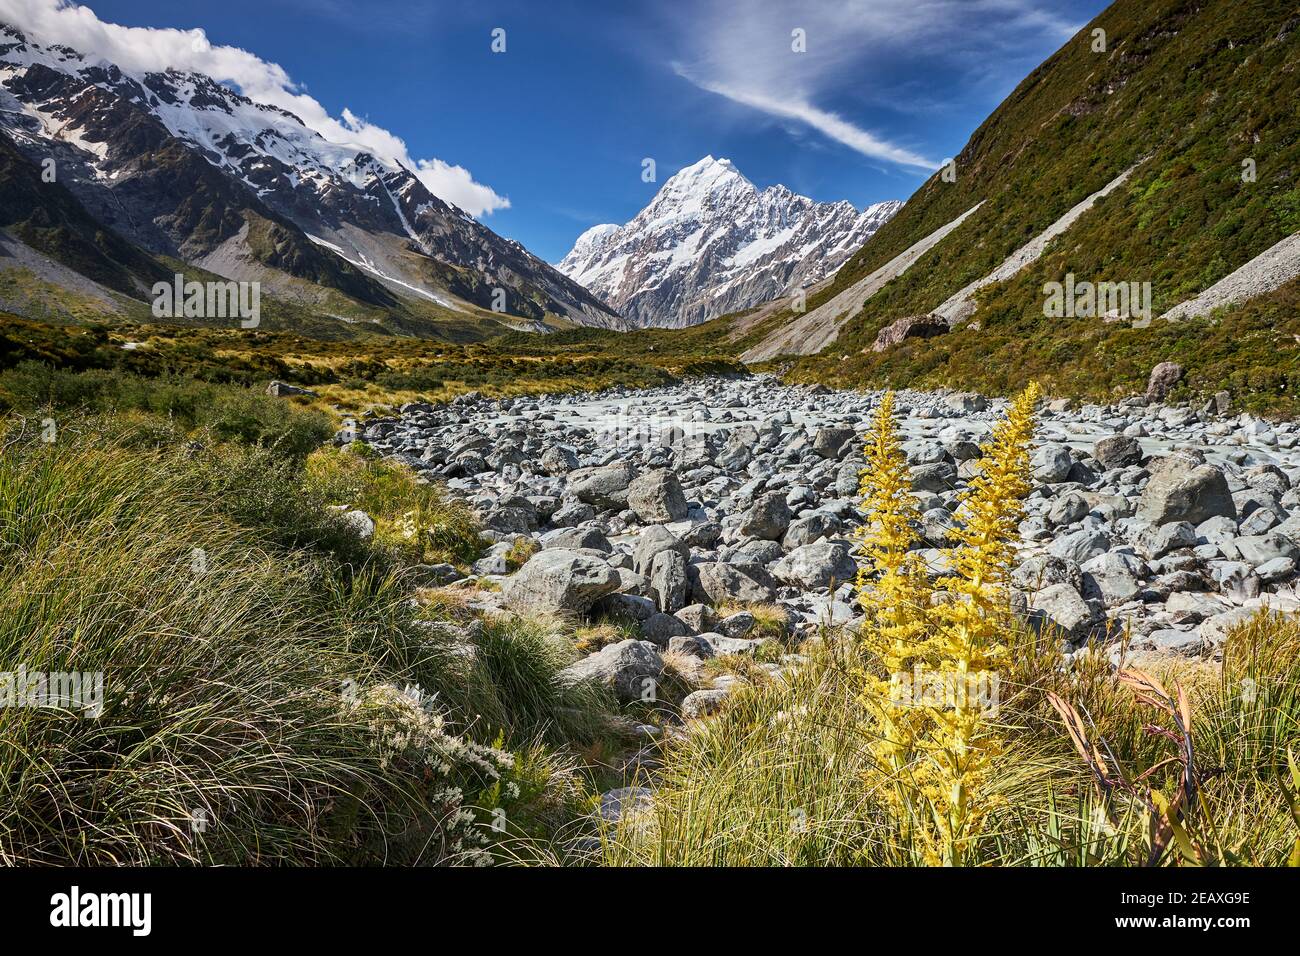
[124,143]
[711,242]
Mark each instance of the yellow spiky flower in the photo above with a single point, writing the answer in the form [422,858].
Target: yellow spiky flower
[894,593]
[969,628]
[937,747]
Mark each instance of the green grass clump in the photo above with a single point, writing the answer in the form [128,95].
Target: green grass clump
[271,691]
[784,775]
[227,413]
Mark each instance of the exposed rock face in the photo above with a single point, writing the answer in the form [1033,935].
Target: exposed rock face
[909,327]
[711,243]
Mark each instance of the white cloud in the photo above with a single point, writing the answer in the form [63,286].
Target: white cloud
[138,50]
[829,124]
[741,49]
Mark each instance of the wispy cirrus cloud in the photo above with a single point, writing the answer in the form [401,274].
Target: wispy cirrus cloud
[742,50]
[138,50]
[826,123]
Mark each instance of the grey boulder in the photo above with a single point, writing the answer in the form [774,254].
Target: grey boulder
[657,497]
[560,579]
[630,668]
[1177,492]
[815,566]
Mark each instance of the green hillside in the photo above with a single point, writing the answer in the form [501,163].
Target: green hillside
[1190,91]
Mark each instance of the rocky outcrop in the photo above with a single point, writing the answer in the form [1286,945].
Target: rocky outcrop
[908,327]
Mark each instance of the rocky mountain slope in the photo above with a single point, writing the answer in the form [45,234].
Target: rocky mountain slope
[184,167]
[711,243]
[1193,99]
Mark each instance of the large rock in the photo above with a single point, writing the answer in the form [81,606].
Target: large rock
[1082,545]
[1111,589]
[1044,570]
[1155,541]
[1117,451]
[815,565]
[755,551]
[650,542]
[1065,609]
[768,517]
[703,703]
[558,460]
[815,526]
[657,497]
[605,487]
[1179,491]
[668,581]
[572,513]
[1258,550]
[284,389]
[937,477]
[633,607]
[964,403]
[713,582]
[1163,377]
[832,441]
[1051,463]
[1068,509]
[698,617]
[589,538]
[660,629]
[1171,641]
[631,668]
[909,327]
[558,580]
[1215,629]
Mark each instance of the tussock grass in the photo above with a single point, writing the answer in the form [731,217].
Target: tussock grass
[785,776]
[770,620]
[271,692]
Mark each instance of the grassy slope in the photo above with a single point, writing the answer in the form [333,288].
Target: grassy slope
[267,689]
[1193,87]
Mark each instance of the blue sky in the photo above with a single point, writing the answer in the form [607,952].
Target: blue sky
[558,125]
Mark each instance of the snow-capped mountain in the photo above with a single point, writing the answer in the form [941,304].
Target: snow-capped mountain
[183,166]
[711,243]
